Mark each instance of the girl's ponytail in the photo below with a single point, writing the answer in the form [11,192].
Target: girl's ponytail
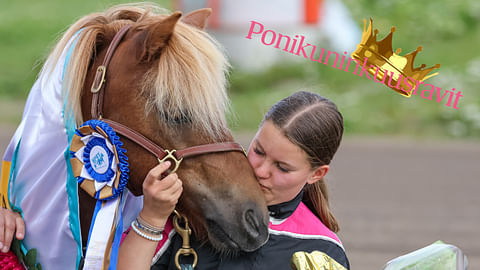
[315,197]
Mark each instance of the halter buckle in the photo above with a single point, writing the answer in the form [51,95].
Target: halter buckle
[101,69]
[171,155]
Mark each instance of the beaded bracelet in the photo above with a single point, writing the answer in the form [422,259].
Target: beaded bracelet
[147,229]
[144,235]
[144,226]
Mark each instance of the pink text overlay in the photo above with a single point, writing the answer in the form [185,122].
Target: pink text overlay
[298,46]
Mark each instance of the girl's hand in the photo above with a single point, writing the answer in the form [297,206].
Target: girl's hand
[160,195]
[10,223]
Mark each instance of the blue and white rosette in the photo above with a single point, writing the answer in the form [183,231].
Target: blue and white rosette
[98,161]
[101,168]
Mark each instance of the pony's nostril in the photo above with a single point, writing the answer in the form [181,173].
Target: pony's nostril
[251,223]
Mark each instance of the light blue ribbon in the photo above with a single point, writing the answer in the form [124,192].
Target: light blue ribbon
[71,185]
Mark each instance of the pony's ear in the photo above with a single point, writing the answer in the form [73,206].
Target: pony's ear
[198,18]
[159,34]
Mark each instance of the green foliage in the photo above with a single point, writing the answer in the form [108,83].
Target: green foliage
[15,247]
[29,260]
[425,20]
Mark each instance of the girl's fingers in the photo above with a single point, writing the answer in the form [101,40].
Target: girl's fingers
[2,227]
[171,184]
[10,223]
[20,227]
[175,191]
[178,192]
[163,185]
[9,229]
[178,185]
[156,172]
[165,194]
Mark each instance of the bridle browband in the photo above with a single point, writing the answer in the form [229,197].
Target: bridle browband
[98,90]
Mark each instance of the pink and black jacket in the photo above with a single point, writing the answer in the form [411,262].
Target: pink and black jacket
[293,227]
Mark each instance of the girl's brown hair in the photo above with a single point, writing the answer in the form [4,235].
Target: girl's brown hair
[313,123]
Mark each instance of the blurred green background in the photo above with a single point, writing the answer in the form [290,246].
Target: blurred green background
[448,30]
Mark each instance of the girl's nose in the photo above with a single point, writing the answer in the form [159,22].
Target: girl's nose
[262,170]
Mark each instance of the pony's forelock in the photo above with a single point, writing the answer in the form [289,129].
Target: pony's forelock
[189,80]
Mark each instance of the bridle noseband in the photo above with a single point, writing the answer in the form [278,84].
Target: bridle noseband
[98,90]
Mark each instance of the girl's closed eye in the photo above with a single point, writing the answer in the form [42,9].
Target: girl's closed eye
[281,168]
[258,151]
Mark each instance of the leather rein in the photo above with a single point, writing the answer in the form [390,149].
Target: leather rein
[98,90]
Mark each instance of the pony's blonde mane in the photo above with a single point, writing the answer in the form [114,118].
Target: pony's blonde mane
[188,82]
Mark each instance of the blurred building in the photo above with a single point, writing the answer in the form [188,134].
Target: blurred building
[325,23]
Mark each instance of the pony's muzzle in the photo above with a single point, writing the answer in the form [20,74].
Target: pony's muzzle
[245,230]
[256,229]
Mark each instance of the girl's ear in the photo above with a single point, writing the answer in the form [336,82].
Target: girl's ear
[318,174]
[158,35]
[198,18]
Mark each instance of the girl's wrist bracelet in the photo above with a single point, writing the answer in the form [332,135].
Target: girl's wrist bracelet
[144,226]
[144,235]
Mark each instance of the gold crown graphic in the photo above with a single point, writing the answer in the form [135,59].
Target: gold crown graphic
[381,56]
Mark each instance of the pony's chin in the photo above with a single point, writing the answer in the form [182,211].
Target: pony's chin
[221,240]
[224,243]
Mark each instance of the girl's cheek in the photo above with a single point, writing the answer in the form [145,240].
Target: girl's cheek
[253,159]
[281,182]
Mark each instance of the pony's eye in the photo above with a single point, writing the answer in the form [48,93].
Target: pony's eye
[178,120]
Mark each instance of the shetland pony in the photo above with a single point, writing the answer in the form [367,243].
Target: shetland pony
[166,80]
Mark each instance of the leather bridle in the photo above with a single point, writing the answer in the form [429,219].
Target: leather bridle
[98,90]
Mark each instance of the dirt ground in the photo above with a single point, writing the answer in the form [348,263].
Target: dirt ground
[392,197]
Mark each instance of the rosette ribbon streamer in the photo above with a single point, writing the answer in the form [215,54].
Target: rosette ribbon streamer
[101,168]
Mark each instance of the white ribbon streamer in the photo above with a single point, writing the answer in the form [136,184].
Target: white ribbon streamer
[100,233]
